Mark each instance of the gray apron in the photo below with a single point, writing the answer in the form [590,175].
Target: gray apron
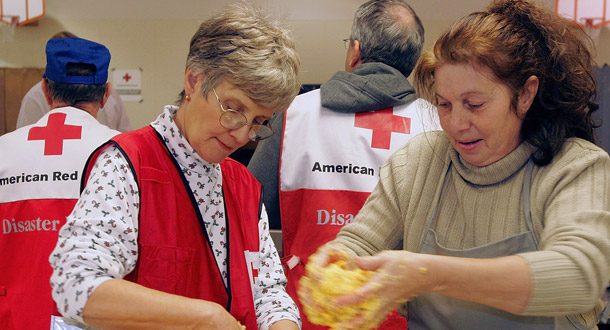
[434,311]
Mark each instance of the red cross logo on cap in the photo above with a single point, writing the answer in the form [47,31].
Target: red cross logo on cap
[383,123]
[55,133]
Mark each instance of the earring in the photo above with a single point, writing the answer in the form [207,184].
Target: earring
[187,97]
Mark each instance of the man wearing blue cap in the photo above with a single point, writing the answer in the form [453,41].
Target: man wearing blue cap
[34,105]
[40,175]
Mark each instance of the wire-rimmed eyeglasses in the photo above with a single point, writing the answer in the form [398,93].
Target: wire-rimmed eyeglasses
[347,42]
[233,119]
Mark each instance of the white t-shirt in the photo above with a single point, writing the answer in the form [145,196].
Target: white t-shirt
[34,106]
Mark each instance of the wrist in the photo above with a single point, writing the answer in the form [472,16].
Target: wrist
[428,277]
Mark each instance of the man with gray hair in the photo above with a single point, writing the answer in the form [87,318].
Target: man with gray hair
[42,164]
[323,161]
[34,105]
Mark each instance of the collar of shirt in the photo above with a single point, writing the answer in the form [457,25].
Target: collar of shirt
[182,151]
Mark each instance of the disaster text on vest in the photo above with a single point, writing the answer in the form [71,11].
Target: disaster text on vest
[326,217]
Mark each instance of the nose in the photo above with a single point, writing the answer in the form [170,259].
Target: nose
[460,119]
[241,134]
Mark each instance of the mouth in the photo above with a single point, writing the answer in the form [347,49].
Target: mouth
[224,146]
[469,144]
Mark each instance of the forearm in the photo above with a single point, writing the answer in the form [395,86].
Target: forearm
[120,304]
[95,245]
[504,283]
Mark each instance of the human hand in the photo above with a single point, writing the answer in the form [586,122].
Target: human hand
[326,255]
[398,277]
[314,275]
[331,274]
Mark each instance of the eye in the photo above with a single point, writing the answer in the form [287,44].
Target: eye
[444,105]
[236,109]
[474,106]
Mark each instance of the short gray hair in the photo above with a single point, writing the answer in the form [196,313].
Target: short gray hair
[385,38]
[250,50]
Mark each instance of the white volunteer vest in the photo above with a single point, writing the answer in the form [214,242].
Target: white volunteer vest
[47,158]
[40,174]
[329,164]
[323,150]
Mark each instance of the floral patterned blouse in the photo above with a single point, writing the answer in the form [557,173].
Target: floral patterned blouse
[99,240]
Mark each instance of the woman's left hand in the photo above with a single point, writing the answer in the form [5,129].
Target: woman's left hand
[400,276]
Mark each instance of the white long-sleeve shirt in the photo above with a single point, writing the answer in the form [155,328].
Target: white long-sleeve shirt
[99,240]
[34,106]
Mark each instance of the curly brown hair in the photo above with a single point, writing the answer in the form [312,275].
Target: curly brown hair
[517,39]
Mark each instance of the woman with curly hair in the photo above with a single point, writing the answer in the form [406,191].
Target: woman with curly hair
[501,220]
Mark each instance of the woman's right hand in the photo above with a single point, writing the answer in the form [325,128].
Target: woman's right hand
[324,256]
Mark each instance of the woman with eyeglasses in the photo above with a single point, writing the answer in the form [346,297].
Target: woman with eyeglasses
[169,233]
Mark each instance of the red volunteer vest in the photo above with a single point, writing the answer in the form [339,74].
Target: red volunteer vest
[175,252]
[39,185]
[329,164]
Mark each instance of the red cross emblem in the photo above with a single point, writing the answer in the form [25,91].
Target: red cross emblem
[254,272]
[126,77]
[55,133]
[383,123]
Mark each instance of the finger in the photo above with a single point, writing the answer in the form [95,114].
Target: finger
[304,292]
[337,252]
[347,299]
[368,319]
[326,255]
[369,263]
[318,260]
[361,294]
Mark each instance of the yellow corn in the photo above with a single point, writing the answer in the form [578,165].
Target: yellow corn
[337,280]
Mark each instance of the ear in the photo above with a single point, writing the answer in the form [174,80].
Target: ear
[46,92]
[190,80]
[353,56]
[527,95]
[106,94]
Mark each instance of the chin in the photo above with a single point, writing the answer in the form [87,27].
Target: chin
[472,160]
[213,159]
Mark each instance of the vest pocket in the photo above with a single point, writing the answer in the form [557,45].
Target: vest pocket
[166,269]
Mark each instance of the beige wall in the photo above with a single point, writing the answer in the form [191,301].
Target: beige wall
[158,46]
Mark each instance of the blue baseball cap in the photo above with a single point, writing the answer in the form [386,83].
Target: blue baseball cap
[62,51]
